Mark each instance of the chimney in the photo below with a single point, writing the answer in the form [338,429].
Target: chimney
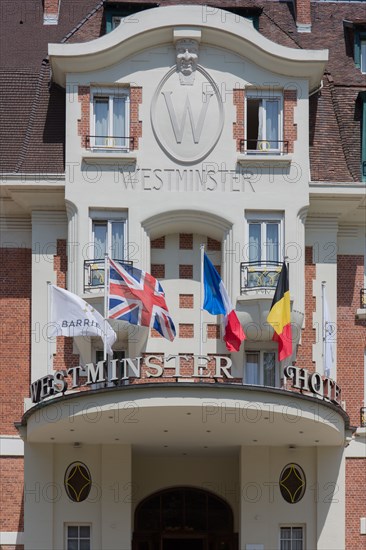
[303,15]
[51,10]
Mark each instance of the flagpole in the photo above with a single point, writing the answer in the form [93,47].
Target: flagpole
[105,306]
[323,327]
[201,298]
[49,366]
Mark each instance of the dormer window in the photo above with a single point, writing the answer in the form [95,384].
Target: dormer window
[116,21]
[356,37]
[363,56]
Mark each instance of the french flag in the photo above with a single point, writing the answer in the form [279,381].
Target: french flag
[216,301]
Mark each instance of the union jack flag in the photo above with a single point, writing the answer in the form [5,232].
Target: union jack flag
[138,298]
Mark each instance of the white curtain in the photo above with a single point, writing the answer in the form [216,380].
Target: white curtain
[101,120]
[252,369]
[255,251]
[272,242]
[272,123]
[261,114]
[117,240]
[119,121]
[100,240]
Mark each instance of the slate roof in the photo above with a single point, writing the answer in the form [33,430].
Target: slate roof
[32,109]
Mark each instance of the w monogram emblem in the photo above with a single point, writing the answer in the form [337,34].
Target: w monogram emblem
[187,120]
[187,110]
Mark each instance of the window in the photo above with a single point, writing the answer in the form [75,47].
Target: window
[110,120]
[363,56]
[264,241]
[263,123]
[291,538]
[261,368]
[108,236]
[263,251]
[78,537]
[116,21]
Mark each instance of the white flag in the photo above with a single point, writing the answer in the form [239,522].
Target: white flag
[75,317]
[329,342]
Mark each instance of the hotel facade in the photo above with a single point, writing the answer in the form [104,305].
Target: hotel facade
[143,131]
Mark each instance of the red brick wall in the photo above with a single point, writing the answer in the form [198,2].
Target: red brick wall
[185,271]
[50,7]
[289,127]
[11,495]
[135,123]
[212,244]
[213,331]
[15,325]
[186,241]
[84,121]
[186,330]
[186,301]
[304,357]
[65,358]
[303,11]
[158,243]
[351,334]
[158,271]
[238,125]
[355,502]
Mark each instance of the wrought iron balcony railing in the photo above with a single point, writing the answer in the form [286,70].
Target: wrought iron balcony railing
[94,273]
[363,417]
[114,143]
[259,275]
[263,146]
[363,298]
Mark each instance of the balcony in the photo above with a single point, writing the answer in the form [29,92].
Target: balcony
[110,143]
[263,147]
[254,151]
[259,276]
[109,149]
[94,273]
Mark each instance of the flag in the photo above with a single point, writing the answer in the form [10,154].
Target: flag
[75,317]
[138,298]
[216,301]
[279,316]
[329,337]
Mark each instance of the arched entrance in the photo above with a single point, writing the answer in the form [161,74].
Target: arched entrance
[184,518]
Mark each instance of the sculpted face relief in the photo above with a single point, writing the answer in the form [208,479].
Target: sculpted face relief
[187,58]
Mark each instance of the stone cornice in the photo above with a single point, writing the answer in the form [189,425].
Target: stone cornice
[156,27]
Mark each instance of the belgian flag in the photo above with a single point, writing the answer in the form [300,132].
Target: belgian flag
[279,316]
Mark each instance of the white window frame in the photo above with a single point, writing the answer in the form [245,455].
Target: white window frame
[82,524]
[109,217]
[261,367]
[264,218]
[116,21]
[293,526]
[265,95]
[110,144]
[363,55]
